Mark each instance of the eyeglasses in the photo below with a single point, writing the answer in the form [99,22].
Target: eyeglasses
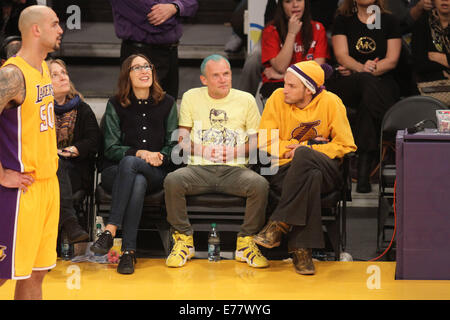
[145,67]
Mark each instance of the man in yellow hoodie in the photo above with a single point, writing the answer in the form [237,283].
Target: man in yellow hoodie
[313,135]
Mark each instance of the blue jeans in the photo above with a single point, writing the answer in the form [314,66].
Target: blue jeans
[128,183]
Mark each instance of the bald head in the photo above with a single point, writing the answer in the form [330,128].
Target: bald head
[33,15]
[40,29]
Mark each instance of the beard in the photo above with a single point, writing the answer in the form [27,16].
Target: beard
[55,46]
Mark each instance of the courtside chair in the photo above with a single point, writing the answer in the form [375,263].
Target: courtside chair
[403,114]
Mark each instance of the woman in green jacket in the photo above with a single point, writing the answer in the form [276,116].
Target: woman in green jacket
[138,126]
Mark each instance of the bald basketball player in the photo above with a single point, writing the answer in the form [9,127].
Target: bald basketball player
[29,190]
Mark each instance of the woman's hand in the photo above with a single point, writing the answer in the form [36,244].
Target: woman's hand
[438,57]
[295,24]
[370,66]
[343,71]
[69,152]
[271,73]
[154,159]
[427,4]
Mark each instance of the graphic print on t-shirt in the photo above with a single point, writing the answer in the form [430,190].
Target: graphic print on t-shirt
[218,134]
[366,45]
[305,131]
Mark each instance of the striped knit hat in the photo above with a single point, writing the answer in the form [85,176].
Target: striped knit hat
[311,74]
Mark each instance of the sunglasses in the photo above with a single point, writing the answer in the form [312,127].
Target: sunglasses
[145,67]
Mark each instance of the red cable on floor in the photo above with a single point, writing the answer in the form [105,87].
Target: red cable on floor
[395,226]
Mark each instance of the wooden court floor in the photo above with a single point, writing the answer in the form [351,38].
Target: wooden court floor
[232,280]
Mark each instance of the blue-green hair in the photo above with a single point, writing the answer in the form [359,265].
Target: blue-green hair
[214,57]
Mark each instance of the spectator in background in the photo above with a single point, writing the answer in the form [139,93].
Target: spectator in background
[9,19]
[290,38]
[322,11]
[10,46]
[10,40]
[153,28]
[139,121]
[252,69]
[237,39]
[77,136]
[418,7]
[365,81]
[431,45]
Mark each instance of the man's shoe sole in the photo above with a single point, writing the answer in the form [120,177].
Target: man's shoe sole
[265,245]
[305,273]
[81,238]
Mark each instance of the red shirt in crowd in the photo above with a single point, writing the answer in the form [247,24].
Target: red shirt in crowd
[271,46]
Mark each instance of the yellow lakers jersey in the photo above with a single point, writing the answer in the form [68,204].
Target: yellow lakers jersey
[27,132]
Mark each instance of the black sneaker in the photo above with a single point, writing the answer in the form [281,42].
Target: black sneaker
[103,244]
[126,263]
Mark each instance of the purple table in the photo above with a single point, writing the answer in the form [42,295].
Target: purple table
[423,205]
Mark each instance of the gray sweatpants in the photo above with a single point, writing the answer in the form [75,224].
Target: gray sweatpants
[196,179]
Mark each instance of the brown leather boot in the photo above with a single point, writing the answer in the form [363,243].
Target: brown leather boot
[270,235]
[302,260]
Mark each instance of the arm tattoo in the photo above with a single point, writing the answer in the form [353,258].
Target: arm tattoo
[12,87]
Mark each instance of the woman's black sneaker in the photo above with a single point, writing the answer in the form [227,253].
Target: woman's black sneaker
[126,263]
[103,244]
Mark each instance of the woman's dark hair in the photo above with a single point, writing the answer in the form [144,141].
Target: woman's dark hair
[281,23]
[124,88]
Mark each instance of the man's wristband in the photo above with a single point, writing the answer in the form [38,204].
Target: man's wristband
[176,7]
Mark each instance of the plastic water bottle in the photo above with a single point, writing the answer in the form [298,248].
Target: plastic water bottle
[98,227]
[65,248]
[213,244]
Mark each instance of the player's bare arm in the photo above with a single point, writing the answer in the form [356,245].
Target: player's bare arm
[12,87]
[12,93]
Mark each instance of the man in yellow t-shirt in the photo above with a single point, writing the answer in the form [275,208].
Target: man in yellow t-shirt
[314,133]
[218,127]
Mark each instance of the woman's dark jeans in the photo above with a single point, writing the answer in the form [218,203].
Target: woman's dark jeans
[128,184]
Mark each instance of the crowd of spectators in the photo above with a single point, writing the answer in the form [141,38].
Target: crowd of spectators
[370,51]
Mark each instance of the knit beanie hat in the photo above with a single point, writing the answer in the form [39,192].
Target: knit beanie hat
[312,74]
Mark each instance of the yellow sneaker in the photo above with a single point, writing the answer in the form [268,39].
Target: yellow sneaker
[182,250]
[248,251]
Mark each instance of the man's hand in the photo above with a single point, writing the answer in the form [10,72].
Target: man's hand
[155,159]
[227,154]
[160,13]
[219,153]
[290,154]
[13,179]
[292,147]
